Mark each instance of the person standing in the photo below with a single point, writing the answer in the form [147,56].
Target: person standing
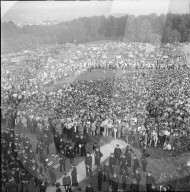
[138,178]
[129,158]
[67,145]
[124,180]
[57,185]
[89,188]
[71,154]
[43,158]
[52,175]
[144,162]
[31,154]
[123,160]
[62,161]
[62,146]
[154,189]
[76,144]
[57,143]
[119,129]
[69,130]
[117,154]
[11,185]
[24,181]
[34,172]
[112,162]
[100,179]
[127,150]
[135,164]
[42,184]
[69,189]
[75,129]
[98,155]
[74,176]
[66,181]
[80,128]
[88,164]
[149,181]
[115,131]
[94,147]
[115,182]
[28,146]
[134,186]
[46,143]
[40,148]
[106,172]
[15,175]
[82,145]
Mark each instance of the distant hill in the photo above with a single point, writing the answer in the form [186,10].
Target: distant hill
[168,28]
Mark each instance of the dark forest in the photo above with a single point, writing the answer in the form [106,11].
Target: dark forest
[151,28]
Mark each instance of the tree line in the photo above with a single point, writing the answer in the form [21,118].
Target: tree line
[151,28]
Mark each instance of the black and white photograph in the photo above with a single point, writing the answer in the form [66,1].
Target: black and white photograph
[95,96]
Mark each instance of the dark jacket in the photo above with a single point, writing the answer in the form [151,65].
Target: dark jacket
[11,186]
[71,153]
[106,169]
[62,159]
[117,152]
[138,178]
[58,190]
[89,189]
[66,180]
[112,161]
[150,179]
[136,164]
[124,178]
[82,142]
[134,187]
[88,161]
[98,156]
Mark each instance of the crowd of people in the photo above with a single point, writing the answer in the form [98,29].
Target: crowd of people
[146,108]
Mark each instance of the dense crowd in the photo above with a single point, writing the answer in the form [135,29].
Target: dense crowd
[145,108]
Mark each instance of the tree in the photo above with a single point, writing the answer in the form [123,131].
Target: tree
[155,38]
[176,37]
[131,28]
[167,38]
[145,31]
[169,28]
[121,27]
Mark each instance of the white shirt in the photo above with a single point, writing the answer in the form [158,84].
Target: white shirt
[70,125]
[167,133]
